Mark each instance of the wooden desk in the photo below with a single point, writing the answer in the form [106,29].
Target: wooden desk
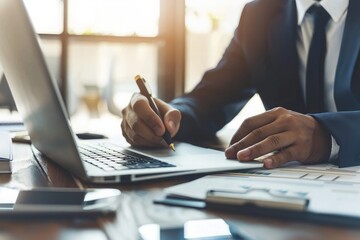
[136,209]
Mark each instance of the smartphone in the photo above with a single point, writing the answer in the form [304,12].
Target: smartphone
[58,201]
[206,229]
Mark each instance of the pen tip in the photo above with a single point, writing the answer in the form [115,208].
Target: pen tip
[172,146]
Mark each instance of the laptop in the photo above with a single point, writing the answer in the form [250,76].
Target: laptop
[39,102]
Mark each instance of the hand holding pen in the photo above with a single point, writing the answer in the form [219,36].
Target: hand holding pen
[146,119]
[145,90]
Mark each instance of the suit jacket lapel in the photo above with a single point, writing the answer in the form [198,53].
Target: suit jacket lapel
[349,51]
[284,58]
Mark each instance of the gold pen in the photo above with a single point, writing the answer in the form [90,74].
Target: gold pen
[145,90]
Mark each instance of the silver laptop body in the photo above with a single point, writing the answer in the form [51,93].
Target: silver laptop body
[40,104]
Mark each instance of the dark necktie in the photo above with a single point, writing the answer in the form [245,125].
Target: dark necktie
[316,61]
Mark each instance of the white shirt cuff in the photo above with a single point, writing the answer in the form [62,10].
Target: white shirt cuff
[334,150]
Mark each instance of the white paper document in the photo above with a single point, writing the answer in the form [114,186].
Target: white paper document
[325,197]
[319,172]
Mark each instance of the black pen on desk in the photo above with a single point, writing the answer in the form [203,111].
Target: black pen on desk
[145,90]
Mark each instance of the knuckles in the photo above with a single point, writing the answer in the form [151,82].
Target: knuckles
[258,134]
[136,126]
[289,119]
[279,110]
[274,141]
[257,150]
[239,146]
[136,138]
[247,123]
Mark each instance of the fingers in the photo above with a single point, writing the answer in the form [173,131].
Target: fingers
[269,144]
[141,108]
[256,136]
[138,140]
[253,123]
[141,126]
[140,132]
[260,132]
[291,135]
[280,158]
[172,121]
[171,117]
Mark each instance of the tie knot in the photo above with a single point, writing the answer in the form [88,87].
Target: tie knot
[321,16]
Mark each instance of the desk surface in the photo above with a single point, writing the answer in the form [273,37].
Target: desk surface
[136,209]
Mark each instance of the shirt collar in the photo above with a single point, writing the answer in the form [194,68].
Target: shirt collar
[335,8]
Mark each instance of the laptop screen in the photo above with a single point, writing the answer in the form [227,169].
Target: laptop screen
[35,92]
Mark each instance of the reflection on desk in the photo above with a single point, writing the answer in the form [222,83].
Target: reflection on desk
[136,209]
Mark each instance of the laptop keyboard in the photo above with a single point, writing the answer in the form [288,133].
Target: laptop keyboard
[110,157]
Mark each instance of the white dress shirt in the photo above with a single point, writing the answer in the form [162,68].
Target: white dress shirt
[337,10]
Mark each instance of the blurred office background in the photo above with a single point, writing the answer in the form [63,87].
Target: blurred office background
[94,48]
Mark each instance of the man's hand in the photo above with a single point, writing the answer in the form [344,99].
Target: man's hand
[142,127]
[290,135]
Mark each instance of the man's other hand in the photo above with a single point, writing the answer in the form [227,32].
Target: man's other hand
[142,127]
[290,135]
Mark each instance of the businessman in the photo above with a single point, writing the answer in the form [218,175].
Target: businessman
[302,58]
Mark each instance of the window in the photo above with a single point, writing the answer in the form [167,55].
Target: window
[47,16]
[94,48]
[210,25]
[114,17]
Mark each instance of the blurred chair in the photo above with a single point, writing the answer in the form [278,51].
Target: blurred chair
[6,98]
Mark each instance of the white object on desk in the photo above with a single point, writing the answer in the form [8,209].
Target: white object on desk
[325,197]
[6,154]
[319,172]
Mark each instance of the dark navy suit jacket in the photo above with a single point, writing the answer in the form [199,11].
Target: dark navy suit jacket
[262,58]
